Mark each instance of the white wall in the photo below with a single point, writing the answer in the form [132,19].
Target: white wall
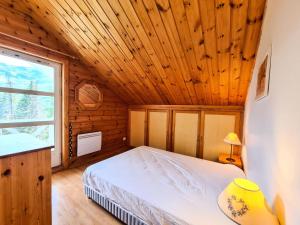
[272,125]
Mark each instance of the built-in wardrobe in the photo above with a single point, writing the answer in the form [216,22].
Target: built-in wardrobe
[196,131]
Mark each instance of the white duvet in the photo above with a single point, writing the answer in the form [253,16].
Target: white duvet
[163,187]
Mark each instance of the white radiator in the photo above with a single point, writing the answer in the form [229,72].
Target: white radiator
[88,143]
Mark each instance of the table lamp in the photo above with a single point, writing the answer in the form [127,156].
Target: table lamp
[232,139]
[244,203]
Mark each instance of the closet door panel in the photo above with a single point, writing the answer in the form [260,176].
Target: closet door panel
[185,133]
[216,127]
[137,128]
[157,129]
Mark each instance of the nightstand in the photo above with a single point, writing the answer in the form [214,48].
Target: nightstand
[223,159]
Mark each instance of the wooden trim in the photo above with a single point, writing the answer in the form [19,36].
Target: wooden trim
[201,134]
[40,46]
[146,138]
[128,127]
[34,50]
[10,153]
[30,49]
[23,91]
[170,130]
[26,124]
[57,169]
[167,125]
[242,127]
[95,157]
[190,107]
[173,122]
[198,136]
[65,114]
[82,105]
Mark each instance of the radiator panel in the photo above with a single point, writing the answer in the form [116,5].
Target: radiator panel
[89,143]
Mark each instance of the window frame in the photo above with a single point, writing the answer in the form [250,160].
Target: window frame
[57,94]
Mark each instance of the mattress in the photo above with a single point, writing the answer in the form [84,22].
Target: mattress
[162,187]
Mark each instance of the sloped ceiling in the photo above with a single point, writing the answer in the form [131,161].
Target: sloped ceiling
[160,51]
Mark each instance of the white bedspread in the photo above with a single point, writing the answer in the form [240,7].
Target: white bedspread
[163,187]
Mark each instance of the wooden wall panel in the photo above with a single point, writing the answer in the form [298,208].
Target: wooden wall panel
[22,33]
[110,118]
[25,193]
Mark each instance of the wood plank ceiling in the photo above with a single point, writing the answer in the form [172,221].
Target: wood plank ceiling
[160,51]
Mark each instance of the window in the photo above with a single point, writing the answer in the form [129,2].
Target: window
[29,102]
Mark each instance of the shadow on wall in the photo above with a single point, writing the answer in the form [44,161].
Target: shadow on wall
[279,210]
[278,205]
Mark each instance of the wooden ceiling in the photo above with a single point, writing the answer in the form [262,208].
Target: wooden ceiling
[160,51]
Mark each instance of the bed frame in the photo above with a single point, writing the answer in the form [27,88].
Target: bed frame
[113,208]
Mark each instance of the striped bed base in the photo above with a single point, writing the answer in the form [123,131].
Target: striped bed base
[113,208]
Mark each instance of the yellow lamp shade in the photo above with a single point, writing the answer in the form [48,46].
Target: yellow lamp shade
[243,202]
[232,139]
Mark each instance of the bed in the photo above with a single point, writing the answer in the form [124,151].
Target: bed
[151,186]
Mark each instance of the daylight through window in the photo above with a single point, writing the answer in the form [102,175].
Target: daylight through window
[27,100]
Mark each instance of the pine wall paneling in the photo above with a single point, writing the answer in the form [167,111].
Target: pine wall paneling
[21,33]
[111,117]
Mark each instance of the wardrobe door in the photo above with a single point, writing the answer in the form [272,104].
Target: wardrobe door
[158,129]
[185,133]
[216,127]
[137,127]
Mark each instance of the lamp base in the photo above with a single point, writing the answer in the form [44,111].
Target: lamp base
[230,159]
